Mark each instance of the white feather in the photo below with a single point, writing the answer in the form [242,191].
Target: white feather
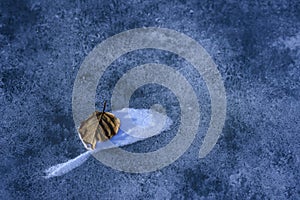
[136,125]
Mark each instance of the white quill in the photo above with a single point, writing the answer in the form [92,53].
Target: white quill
[136,125]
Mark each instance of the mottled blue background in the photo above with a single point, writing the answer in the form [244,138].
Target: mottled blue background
[256,45]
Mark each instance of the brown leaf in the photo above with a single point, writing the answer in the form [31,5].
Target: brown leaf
[100,126]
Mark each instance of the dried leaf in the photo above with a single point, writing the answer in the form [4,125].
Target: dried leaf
[100,126]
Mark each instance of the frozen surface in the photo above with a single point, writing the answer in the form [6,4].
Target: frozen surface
[256,47]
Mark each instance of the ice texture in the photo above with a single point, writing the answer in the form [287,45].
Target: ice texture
[255,45]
